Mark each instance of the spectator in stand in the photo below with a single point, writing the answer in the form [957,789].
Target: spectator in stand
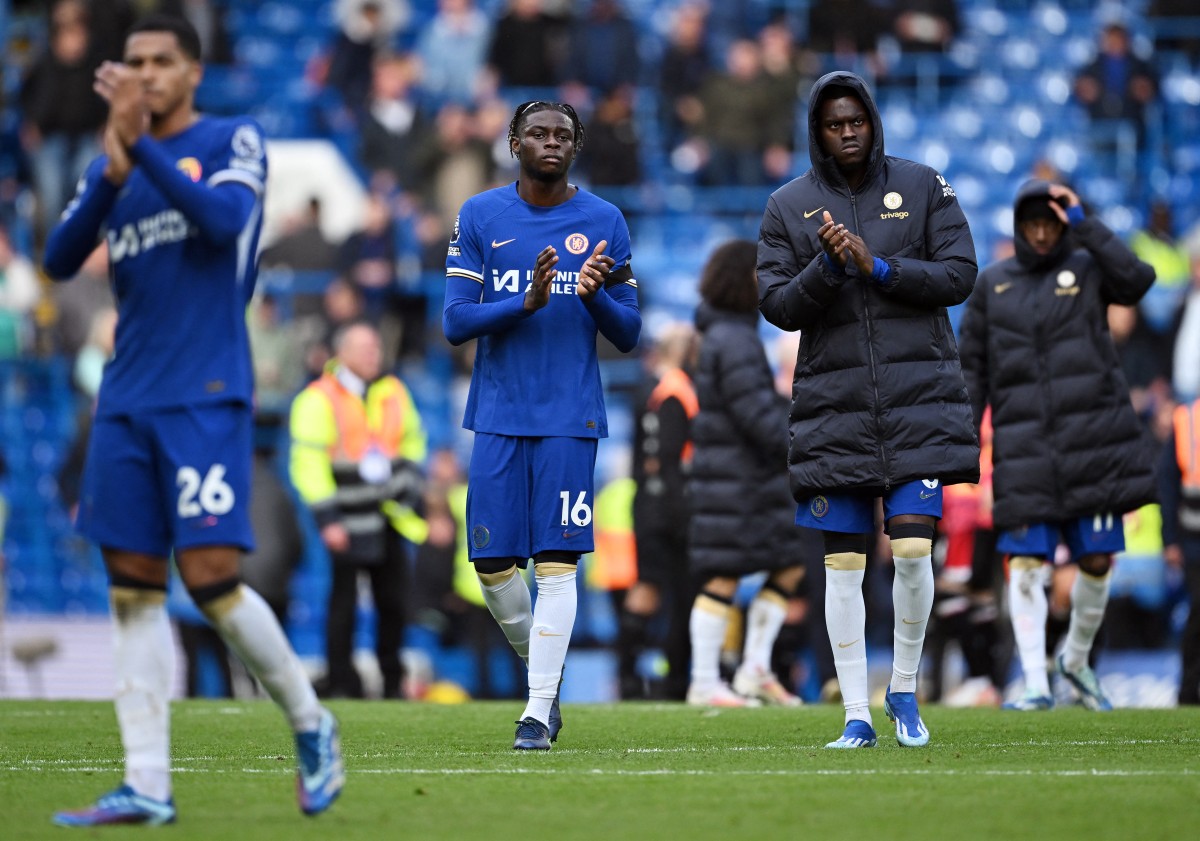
[614,148]
[1117,87]
[452,48]
[341,304]
[847,31]
[728,132]
[603,48]
[302,246]
[76,302]
[275,351]
[19,293]
[783,80]
[683,67]
[1157,245]
[393,124]
[365,31]
[527,46]
[923,26]
[455,162]
[368,259]
[1172,34]
[62,115]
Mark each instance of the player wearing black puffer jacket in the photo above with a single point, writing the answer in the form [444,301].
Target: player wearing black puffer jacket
[863,253]
[1070,453]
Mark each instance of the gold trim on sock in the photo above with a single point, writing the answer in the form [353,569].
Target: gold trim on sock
[493,579]
[708,604]
[912,547]
[124,599]
[219,608]
[773,596]
[553,568]
[846,560]
[1025,562]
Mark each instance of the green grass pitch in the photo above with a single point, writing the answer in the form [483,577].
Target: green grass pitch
[631,771]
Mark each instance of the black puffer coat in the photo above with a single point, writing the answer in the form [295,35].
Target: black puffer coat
[878,397]
[743,518]
[1036,347]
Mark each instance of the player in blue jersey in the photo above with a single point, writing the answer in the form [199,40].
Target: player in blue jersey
[533,271]
[179,197]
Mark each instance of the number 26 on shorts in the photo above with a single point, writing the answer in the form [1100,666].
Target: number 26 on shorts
[207,495]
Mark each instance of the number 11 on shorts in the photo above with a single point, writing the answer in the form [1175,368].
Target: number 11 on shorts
[580,513]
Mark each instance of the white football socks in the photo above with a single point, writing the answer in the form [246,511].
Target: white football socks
[846,622]
[507,598]
[764,619]
[912,601]
[144,659]
[1027,606]
[1089,598]
[252,632]
[550,635]
[706,627]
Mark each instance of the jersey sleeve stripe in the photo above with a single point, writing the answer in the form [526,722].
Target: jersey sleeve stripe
[238,177]
[475,276]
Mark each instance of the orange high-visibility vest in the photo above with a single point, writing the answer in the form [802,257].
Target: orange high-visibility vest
[363,423]
[675,383]
[1187,438]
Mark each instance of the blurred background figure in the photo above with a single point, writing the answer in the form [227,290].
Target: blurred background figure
[19,292]
[662,453]
[743,515]
[62,114]
[452,49]
[357,449]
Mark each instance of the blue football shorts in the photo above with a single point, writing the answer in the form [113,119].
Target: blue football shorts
[528,495]
[169,479]
[1101,534]
[853,513]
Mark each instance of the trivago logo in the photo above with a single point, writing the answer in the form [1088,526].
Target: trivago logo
[190,167]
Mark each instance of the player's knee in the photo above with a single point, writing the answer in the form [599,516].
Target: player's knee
[1097,566]
[554,562]
[495,571]
[911,541]
[845,551]
[127,594]
[217,599]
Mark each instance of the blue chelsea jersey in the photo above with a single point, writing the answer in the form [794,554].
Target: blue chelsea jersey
[539,377]
[181,330]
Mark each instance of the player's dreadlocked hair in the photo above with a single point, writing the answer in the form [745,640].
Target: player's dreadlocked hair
[532,107]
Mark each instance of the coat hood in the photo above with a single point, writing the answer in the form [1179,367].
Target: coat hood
[707,315]
[1036,190]
[823,164]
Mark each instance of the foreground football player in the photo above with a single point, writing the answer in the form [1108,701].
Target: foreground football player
[169,459]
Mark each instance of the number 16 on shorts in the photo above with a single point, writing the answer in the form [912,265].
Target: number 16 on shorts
[578,513]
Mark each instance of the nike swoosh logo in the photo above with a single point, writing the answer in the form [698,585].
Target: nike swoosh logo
[911,621]
[544,633]
[569,534]
[929,495]
[811,212]
[1003,287]
[845,644]
[506,242]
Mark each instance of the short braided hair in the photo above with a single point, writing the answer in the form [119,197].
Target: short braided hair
[525,109]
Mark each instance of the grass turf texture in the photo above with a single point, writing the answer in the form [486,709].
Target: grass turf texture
[629,771]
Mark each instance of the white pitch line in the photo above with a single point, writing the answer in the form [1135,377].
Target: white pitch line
[664,772]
